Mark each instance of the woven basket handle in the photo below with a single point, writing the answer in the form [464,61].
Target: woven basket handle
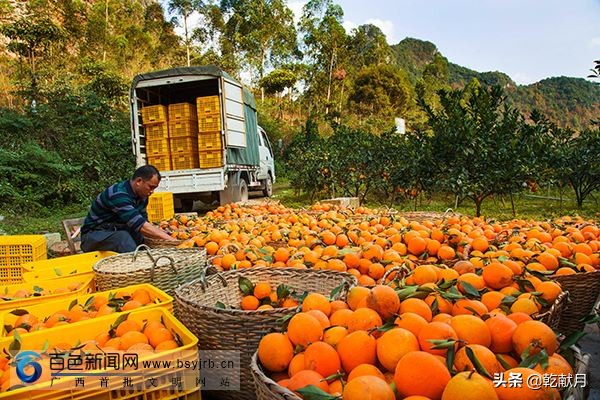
[202,280]
[146,249]
[171,263]
[401,269]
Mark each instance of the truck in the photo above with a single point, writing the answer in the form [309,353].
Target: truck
[220,155]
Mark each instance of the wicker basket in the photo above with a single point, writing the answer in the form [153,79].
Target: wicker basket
[161,243]
[164,268]
[583,291]
[235,329]
[267,388]
[553,316]
[420,216]
[582,367]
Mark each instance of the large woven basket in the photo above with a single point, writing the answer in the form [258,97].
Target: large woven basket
[583,291]
[239,330]
[553,316]
[420,216]
[164,268]
[581,368]
[161,243]
[267,388]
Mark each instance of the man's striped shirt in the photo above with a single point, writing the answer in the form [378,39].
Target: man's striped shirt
[117,204]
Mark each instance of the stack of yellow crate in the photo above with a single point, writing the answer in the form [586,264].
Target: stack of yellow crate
[160,206]
[183,135]
[209,135]
[154,119]
[17,250]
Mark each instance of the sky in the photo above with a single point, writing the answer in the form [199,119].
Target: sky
[529,40]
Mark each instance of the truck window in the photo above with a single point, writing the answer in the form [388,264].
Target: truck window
[265,140]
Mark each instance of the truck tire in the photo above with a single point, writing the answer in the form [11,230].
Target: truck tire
[268,190]
[243,191]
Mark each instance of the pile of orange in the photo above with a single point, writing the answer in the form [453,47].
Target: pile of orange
[261,296]
[40,291]
[124,336]
[377,345]
[95,306]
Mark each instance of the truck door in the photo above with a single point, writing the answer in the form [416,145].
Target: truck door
[266,155]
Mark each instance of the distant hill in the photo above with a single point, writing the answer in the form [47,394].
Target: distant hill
[572,102]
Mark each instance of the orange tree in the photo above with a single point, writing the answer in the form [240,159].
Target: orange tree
[478,144]
[574,160]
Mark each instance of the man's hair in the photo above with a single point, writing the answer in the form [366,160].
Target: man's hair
[146,172]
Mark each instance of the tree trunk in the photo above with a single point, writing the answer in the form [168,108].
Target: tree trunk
[512,203]
[478,202]
[331,61]
[105,30]
[187,39]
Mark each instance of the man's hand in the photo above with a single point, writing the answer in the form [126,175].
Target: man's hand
[151,231]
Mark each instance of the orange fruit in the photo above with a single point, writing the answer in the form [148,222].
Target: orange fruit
[471,329]
[501,332]
[411,322]
[469,386]
[435,331]
[384,300]
[159,335]
[322,318]
[126,326]
[131,305]
[316,301]
[488,360]
[296,365]
[364,369]
[275,351]
[323,358]
[307,377]
[262,290]
[497,275]
[416,306]
[355,295]
[357,348]
[363,319]
[393,345]
[333,335]
[368,387]
[534,335]
[250,303]
[130,338]
[304,329]
[506,391]
[420,373]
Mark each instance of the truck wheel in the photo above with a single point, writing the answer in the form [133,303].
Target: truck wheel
[268,190]
[243,191]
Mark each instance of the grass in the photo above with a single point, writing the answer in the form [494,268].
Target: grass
[526,207]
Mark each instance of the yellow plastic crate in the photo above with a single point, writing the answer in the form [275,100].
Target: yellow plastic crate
[157,147]
[17,250]
[162,162]
[208,105]
[184,144]
[211,159]
[180,111]
[157,113]
[184,161]
[160,206]
[86,283]
[209,122]
[65,388]
[209,141]
[44,310]
[183,128]
[77,263]
[156,131]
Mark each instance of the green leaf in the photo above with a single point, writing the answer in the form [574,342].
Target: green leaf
[72,304]
[404,293]
[387,326]
[450,359]
[38,289]
[283,291]
[311,392]
[88,303]
[442,343]
[503,258]
[19,312]
[508,300]
[476,363]
[470,289]
[246,286]
[119,320]
[503,362]
[336,290]
[435,306]
[15,345]
[571,340]
[220,305]
[58,272]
